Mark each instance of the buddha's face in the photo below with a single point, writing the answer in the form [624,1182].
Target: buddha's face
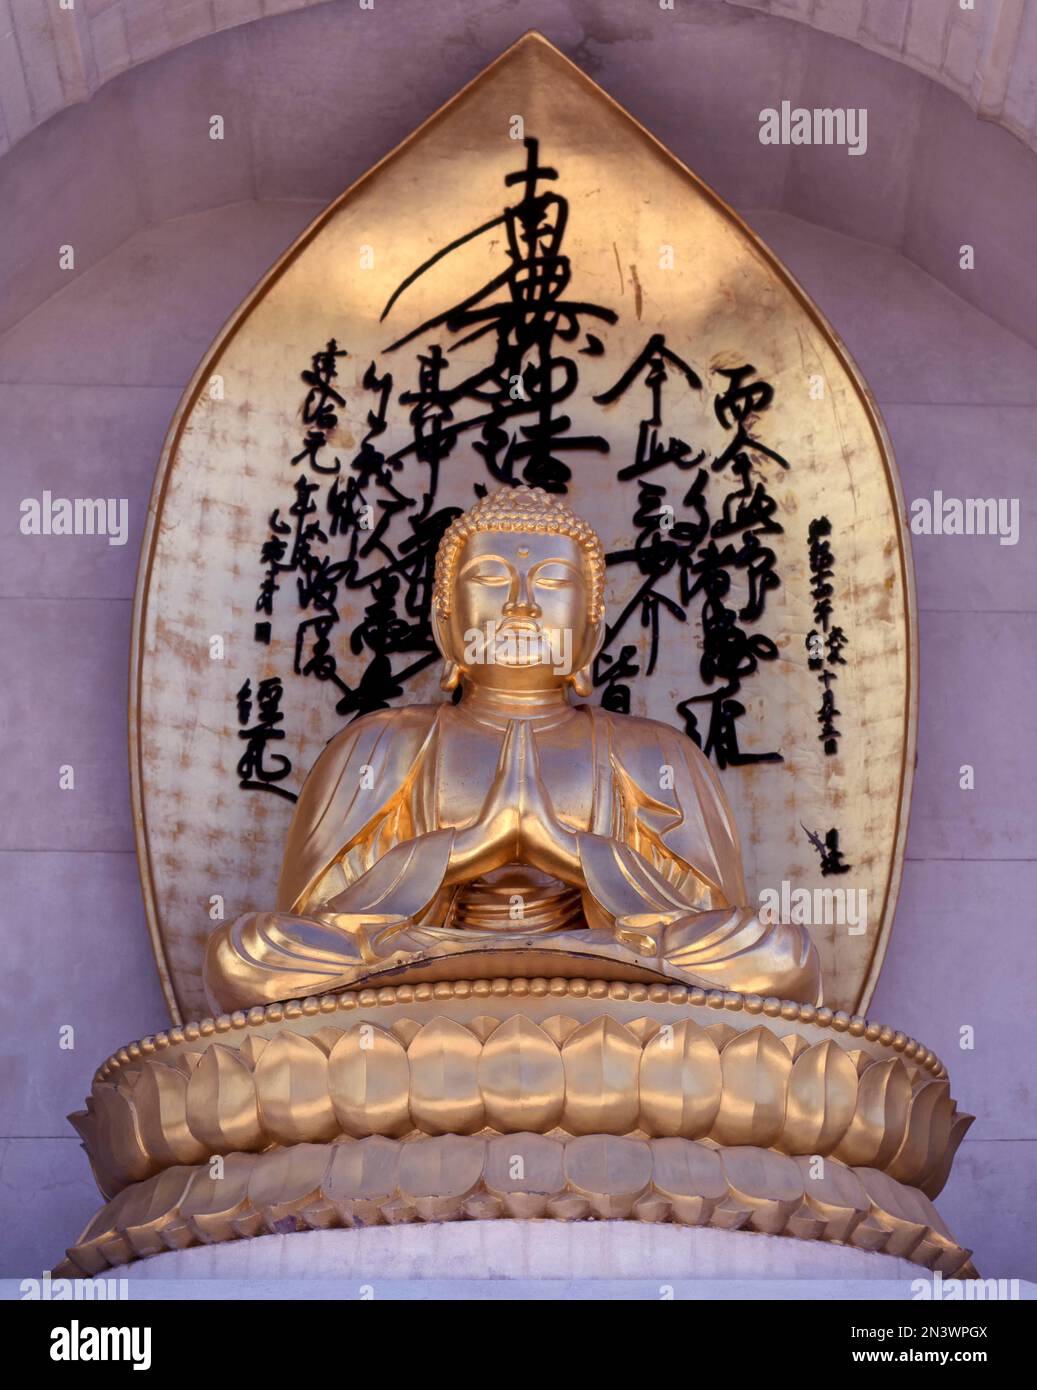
[519,610]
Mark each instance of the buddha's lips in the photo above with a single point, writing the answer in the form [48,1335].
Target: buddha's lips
[521,644]
[518,632]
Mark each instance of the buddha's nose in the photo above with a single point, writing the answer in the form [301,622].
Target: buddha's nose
[522,608]
[521,604]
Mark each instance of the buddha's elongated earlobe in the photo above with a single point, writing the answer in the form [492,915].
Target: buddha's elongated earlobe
[582,681]
[450,677]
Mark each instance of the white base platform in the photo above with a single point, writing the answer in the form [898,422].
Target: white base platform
[524,1260]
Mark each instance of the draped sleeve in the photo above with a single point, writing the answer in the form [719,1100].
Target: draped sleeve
[667,804]
[372,788]
[668,870]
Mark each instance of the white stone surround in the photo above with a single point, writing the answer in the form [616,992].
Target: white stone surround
[52,57]
[523,1259]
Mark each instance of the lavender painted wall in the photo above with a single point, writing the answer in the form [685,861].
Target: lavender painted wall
[171,230]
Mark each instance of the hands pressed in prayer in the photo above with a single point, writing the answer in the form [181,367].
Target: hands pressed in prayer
[517,822]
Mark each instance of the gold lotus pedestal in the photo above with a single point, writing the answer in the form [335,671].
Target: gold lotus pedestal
[543,1099]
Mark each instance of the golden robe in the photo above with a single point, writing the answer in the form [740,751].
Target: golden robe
[662,890]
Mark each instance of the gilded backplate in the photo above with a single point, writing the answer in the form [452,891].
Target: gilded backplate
[647,239]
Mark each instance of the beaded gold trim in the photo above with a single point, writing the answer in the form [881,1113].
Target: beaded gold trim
[855,1025]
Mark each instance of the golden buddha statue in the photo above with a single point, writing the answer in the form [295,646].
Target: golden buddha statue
[513,833]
